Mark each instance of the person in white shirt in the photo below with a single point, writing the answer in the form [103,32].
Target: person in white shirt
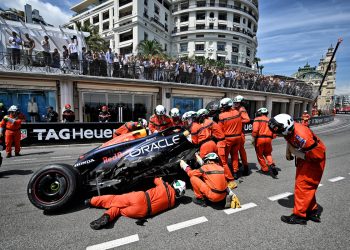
[15,42]
[109,59]
[73,52]
[46,46]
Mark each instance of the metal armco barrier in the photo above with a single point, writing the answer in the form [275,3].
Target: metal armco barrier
[343,112]
[92,132]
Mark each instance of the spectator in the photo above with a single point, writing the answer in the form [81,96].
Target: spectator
[85,60]
[46,46]
[73,52]
[3,111]
[104,115]
[56,59]
[29,45]
[15,42]
[51,115]
[109,60]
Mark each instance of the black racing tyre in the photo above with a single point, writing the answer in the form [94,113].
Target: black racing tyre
[53,187]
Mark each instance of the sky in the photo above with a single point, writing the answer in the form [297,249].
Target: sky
[290,33]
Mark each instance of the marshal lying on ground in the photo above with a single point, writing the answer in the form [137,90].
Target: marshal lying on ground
[120,162]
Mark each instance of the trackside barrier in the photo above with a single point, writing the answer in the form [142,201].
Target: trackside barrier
[94,132]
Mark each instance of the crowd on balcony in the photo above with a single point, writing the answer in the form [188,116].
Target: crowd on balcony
[155,68]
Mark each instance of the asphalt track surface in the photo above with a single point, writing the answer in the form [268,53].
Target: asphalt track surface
[23,226]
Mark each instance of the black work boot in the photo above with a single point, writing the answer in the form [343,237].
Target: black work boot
[314,215]
[273,171]
[8,156]
[18,154]
[293,219]
[199,201]
[235,175]
[246,171]
[100,222]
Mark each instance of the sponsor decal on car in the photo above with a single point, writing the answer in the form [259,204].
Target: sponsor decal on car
[155,146]
[84,163]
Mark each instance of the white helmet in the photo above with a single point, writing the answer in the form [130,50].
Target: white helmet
[160,110]
[13,108]
[180,187]
[305,111]
[238,98]
[142,122]
[189,115]
[281,124]
[262,111]
[211,157]
[226,103]
[175,112]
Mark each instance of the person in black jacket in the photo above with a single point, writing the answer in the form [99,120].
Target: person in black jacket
[104,115]
[51,115]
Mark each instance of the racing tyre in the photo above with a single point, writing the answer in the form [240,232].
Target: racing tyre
[53,187]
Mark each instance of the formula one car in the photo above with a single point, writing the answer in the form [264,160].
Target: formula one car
[119,163]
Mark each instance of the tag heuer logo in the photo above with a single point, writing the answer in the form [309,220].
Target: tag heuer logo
[23,134]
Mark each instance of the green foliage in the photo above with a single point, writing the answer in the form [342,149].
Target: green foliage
[148,48]
[94,42]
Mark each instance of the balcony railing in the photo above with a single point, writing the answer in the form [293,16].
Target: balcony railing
[207,76]
[153,19]
[218,5]
[201,28]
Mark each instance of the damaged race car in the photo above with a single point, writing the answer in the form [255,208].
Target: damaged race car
[120,163]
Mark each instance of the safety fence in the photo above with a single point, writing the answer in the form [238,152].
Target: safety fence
[84,133]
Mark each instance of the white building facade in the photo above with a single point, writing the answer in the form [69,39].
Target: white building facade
[217,29]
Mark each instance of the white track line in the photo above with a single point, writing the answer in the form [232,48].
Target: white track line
[336,179]
[115,243]
[28,159]
[279,196]
[187,223]
[243,207]
[60,157]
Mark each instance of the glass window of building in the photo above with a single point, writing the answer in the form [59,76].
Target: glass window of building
[185,104]
[21,98]
[199,46]
[156,9]
[222,27]
[145,36]
[165,47]
[183,37]
[249,24]
[223,16]
[145,2]
[222,3]
[184,18]
[166,17]
[244,20]
[200,3]
[211,14]
[199,36]
[248,52]
[221,46]
[221,58]
[235,48]
[200,16]
[105,26]
[184,28]
[184,5]
[183,47]
[236,18]
[212,2]
[221,36]
[234,59]
[105,15]
[200,26]
[211,26]
[95,19]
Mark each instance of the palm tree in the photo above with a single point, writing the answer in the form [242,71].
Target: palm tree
[94,42]
[256,61]
[261,68]
[149,48]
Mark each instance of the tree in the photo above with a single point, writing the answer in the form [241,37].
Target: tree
[94,42]
[149,48]
[261,68]
[256,61]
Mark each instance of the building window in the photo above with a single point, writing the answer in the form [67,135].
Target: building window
[235,37]
[200,26]
[145,36]
[244,20]
[248,52]
[105,15]
[165,47]
[145,2]
[183,47]
[236,18]
[124,2]
[221,58]
[223,16]
[95,19]
[87,23]
[211,15]
[234,59]
[200,16]
[166,17]
[184,5]
[199,47]
[222,3]
[125,36]
[222,27]
[183,28]
[200,3]
[156,9]
[212,2]
[105,26]
[183,37]
[185,104]
[221,46]
[211,26]
[184,18]
[221,36]
[235,48]
[199,36]
[249,24]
